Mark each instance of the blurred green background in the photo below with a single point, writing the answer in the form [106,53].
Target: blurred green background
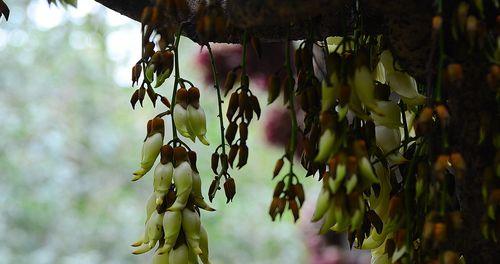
[69,141]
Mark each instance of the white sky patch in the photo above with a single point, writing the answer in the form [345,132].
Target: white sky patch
[123,43]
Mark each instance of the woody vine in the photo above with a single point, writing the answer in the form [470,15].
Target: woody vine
[394,153]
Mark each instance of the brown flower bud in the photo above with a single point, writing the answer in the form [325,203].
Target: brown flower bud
[156,125]
[229,189]
[165,101]
[243,157]
[194,97]
[254,102]
[457,161]
[136,73]
[243,102]
[152,95]
[395,206]
[134,98]
[230,79]
[437,22]
[231,132]
[278,167]
[233,106]
[442,114]
[181,97]
[441,163]
[243,128]
[294,207]
[233,151]
[166,154]
[451,257]
[142,94]
[214,186]
[215,162]
[439,232]
[274,88]
[180,155]
[192,160]
[273,208]
[298,190]
[280,186]
[224,162]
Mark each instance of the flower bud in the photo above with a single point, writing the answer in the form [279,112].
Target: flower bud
[366,171]
[179,255]
[183,182]
[153,233]
[151,147]
[326,145]
[364,86]
[330,218]
[191,226]
[172,221]
[322,205]
[388,114]
[204,245]
[229,189]
[162,180]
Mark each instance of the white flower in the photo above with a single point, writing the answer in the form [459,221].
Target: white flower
[150,151]
[172,221]
[326,144]
[183,182]
[197,122]
[388,140]
[162,180]
[153,233]
[204,246]
[191,225]
[180,255]
[388,114]
[364,86]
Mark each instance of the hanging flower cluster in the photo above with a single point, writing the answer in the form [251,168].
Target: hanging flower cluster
[172,211]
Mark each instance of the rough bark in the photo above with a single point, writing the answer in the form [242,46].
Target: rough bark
[406,26]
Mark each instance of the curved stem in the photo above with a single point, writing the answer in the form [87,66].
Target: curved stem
[219,99]
[293,139]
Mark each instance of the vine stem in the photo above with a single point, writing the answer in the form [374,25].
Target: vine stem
[244,55]
[176,82]
[293,139]
[219,99]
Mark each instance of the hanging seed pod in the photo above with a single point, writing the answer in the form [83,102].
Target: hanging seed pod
[229,189]
[233,106]
[231,132]
[278,167]
[256,46]
[215,162]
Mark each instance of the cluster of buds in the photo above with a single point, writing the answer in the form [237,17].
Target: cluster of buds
[229,184]
[429,118]
[289,191]
[172,211]
[341,202]
[490,225]
[189,116]
[309,98]
[211,22]
[242,106]
[160,64]
[466,26]
[438,232]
